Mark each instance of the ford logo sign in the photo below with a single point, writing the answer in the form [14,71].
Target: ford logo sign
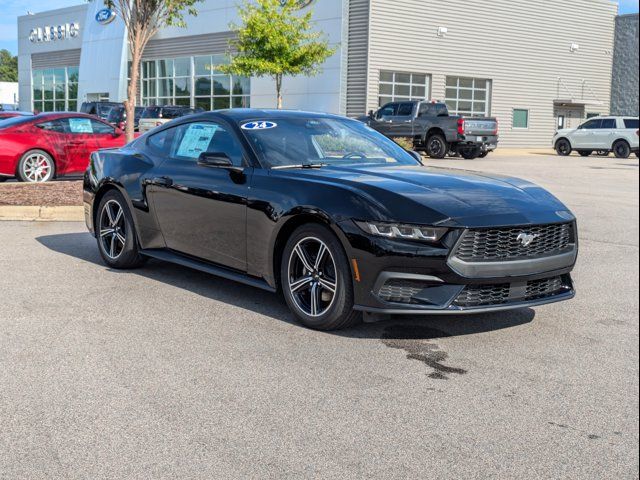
[105,16]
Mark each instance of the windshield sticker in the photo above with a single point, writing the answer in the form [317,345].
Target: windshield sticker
[259,125]
[80,125]
[196,140]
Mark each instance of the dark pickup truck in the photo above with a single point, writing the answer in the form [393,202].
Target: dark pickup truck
[433,130]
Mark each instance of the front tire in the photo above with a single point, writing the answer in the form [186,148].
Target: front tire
[621,149]
[116,234]
[36,166]
[563,147]
[316,279]
[585,153]
[436,146]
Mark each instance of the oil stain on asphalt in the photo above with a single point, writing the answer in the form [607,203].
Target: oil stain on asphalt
[414,339]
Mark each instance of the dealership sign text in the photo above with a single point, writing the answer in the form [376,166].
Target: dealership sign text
[54,33]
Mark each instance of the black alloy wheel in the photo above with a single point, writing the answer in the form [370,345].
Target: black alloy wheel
[563,147]
[316,279]
[621,149]
[437,146]
[115,233]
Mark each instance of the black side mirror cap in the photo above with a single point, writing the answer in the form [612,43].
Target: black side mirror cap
[217,160]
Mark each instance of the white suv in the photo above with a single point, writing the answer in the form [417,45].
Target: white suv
[602,134]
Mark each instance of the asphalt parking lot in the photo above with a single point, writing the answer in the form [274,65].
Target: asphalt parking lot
[165,372]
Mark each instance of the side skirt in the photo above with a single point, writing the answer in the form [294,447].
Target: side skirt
[186,261]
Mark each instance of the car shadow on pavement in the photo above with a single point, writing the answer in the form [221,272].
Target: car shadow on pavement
[83,247]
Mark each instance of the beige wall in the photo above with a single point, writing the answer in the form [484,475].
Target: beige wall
[522,46]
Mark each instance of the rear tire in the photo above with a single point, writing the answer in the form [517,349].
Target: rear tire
[563,147]
[116,233]
[436,146]
[585,153]
[621,149]
[318,288]
[470,153]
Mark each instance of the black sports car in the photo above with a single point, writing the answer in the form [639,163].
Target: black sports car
[331,213]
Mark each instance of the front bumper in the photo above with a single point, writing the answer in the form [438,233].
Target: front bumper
[400,277]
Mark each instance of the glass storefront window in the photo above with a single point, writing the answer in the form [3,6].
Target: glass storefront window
[468,96]
[55,89]
[398,86]
[193,81]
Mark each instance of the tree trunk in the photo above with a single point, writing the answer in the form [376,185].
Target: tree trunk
[279,90]
[132,89]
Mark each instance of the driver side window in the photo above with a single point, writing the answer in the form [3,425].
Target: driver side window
[190,140]
[388,110]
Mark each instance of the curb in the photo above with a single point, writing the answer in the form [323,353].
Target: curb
[41,214]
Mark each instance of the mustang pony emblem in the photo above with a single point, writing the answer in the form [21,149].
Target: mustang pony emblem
[527,239]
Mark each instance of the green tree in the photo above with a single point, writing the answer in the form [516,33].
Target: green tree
[8,67]
[143,19]
[275,40]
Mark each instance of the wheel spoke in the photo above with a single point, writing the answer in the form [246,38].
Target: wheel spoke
[112,247]
[328,285]
[120,238]
[109,215]
[321,251]
[303,258]
[299,284]
[106,231]
[314,300]
[116,220]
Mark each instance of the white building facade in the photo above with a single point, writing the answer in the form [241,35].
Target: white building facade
[511,60]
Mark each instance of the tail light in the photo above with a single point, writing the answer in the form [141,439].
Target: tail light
[461,126]
[495,132]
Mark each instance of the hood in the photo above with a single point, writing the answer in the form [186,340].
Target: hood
[449,197]
[564,131]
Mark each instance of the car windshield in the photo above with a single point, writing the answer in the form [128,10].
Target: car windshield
[318,141]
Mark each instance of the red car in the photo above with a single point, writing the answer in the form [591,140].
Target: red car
[42,147]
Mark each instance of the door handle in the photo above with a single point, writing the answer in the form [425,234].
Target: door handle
[162,181]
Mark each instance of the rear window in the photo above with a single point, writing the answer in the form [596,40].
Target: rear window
[116,115]
[13,121]
[405,109]
[631,123]
[151,112]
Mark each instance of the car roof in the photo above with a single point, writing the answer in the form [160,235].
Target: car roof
[58,115]
[248,114]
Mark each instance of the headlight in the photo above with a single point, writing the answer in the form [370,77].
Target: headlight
[403,231]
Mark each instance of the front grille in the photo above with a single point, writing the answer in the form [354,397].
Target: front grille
[543,288]
[487,295]
[483,295]
[504,244]
[400,291]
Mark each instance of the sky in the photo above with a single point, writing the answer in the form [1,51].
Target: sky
[11,9]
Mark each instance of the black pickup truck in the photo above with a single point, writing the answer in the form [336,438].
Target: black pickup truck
[433,130]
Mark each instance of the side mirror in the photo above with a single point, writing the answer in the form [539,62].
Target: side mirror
[372,113]
[117,133]
[416,155]
[217,160]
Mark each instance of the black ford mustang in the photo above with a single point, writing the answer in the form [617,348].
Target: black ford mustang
[333,214]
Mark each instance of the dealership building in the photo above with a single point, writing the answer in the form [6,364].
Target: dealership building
[535,65]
